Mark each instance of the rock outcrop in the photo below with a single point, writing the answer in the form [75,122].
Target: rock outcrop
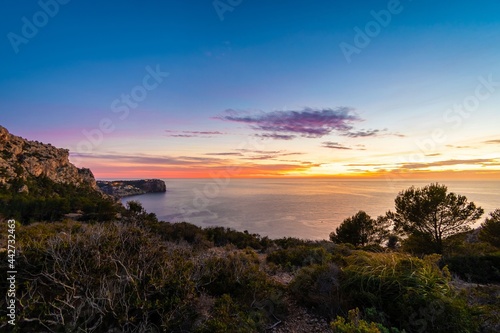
[124,188]
[21,158]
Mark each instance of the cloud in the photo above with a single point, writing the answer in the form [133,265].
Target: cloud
[259,151]
[108,165]
[224,154]
[142,159]
[365,164]
[478,161]
[363,133]
[309,122]
[335,145]
[459,147]
[192,134]
[267,155]
[492,142]
[276,136]
[371,133]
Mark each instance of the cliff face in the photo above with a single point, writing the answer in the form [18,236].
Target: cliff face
[124,188]
[21,158]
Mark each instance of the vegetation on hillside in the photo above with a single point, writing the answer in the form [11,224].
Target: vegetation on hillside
[129,272]
[49,201]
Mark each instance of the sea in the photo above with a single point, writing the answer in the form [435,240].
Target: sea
[303,208]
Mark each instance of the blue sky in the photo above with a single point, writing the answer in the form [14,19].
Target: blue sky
[281,60]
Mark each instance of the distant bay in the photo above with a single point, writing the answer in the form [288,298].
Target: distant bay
[304,208]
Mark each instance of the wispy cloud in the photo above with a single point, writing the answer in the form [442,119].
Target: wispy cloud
[142,159]
[266,154]
[459,147]
[371,133]
[224,154]
[363,133]
[335,145]
[365,164]
[309,122]
[276,136]
[118,165]
[492,142]
[479,162]
[192,134]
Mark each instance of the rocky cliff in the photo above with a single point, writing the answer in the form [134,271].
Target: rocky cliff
[21,158]
[124,188]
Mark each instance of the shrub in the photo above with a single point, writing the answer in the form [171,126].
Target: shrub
[299,256]
[318,286]
[110,276]
[221,236]
[412,294]
[490,229]
[357,325]
[228,316]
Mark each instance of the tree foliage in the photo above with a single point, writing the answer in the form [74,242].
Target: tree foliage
[49,201]
[433,213]
[360,230]
[490,229]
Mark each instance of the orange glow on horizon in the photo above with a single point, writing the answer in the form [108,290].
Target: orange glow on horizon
[117,172]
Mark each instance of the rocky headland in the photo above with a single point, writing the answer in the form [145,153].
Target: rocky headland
[21,159]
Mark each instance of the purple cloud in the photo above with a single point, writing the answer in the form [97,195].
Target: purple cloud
[311,123]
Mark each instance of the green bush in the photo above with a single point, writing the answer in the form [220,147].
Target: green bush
[318,287]
[355,324]
[221,236]
[228,316]
[412,294]
[49,201]
[490,229]
[299,256]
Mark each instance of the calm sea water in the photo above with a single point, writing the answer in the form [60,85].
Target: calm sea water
[304,208]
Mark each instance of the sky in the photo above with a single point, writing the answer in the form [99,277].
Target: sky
[238,88]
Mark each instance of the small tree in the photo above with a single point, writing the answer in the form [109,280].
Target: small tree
[432,213]
[490,229]
[360,230]
[135,207]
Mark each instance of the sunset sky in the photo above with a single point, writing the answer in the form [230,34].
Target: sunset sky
[401,89]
